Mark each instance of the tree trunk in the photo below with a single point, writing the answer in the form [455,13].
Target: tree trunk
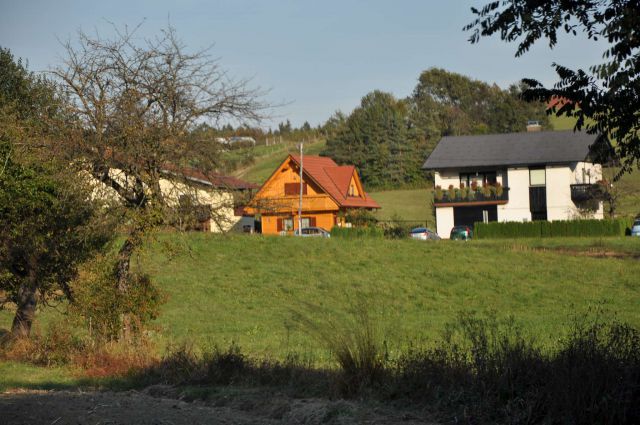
[26,308]
[123,275]
[123,266]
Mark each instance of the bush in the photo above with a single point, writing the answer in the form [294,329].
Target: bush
[357,232]
[485,371]
[546,229]
[99,306]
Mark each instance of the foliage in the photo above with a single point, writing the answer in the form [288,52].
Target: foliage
[488,371]
[548,229]
[98,306]
[361,217]
[375,139]
[449,104]
[357,232]
[605,98]
[48,222]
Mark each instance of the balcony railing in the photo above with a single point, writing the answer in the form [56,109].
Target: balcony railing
[585,192]
[483,196]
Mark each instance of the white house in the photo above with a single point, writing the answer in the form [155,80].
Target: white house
[541,175]
[216,201]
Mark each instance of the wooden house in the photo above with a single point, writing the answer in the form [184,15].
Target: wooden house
[329,192]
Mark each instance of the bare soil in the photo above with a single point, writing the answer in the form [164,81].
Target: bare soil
[164,405]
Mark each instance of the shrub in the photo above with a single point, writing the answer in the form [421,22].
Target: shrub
[438,194]
[559,228]
[357,232]
[99,306]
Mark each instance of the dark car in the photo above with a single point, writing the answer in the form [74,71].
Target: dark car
[461,233]
[424,234]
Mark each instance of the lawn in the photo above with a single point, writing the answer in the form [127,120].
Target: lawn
[249,289]
[407,204]
[267,158]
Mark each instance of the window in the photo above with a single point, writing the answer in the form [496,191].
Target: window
[288,224]
[479,178]
[352,190]
[284,224]
[537,177]
[306,222]
[294,189]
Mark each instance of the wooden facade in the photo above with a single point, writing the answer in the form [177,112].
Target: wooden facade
[328,190]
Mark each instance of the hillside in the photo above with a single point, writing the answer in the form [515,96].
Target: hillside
[267,158]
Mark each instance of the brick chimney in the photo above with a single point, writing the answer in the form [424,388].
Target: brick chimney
[533,126]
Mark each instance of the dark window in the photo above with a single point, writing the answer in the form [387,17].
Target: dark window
[480,178]
[294,189]
[466,216]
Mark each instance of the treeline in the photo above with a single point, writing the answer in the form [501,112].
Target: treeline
[388,139]
[284,132]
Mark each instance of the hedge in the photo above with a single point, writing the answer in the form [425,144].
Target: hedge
[550,229]
[357,232]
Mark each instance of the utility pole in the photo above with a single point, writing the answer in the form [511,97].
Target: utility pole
[301,189]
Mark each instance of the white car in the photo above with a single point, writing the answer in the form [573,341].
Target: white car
[317,232]
[424,234]
[635,229]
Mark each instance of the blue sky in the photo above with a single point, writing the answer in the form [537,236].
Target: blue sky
[315,57]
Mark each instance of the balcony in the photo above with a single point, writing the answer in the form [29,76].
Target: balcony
[585,192]
[491,195]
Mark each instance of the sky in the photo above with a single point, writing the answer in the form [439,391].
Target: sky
[312,57]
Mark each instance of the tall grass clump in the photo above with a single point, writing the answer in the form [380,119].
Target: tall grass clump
[355,345]
[486,371]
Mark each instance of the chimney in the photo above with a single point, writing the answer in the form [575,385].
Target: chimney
[533,126]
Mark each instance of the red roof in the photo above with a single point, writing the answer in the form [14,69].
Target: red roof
[334,180]
[216,180]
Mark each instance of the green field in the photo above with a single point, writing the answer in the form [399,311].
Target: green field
[267,158]
[406,204]
[248,290]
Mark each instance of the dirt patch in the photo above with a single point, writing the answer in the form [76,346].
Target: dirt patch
[162,405]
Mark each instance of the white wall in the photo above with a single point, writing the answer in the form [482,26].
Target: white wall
[517,209]
[446,178]
[559,181]
[444,221]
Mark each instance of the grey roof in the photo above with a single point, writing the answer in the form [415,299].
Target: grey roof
[542,147]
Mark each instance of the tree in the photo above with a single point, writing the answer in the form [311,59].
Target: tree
[136,102]
[445,103]
[605,99]
[48,224]
[376,140]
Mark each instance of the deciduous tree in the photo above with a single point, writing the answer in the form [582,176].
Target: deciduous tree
[605,99]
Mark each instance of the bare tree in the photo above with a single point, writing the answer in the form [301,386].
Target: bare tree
[135,101]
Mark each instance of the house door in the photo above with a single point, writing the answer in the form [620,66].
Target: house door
[538,202]
[466,216]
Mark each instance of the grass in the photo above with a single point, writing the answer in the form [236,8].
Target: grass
[267,158]
[247,289]
[408,204]
[22,375]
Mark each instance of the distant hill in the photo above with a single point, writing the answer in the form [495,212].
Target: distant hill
[267,158]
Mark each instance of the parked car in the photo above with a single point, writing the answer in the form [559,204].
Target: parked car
[635,229]
[461,233]
[424,234]
[318,232]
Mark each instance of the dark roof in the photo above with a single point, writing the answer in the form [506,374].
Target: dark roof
[541,147]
